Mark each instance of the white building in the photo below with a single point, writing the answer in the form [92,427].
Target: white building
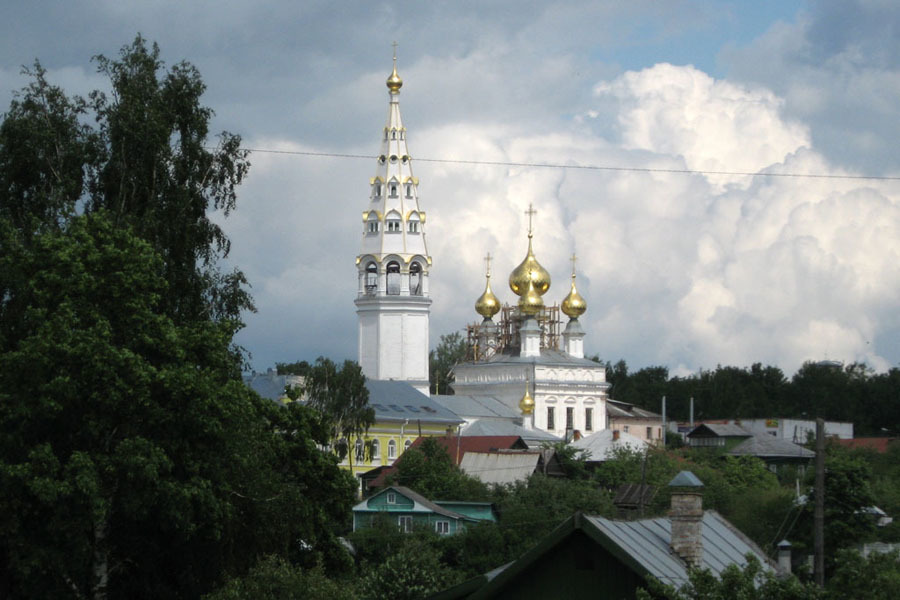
[564,392]
[392,300]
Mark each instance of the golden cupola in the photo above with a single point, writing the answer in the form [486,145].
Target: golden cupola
[487,304]
[531,302]
[529,275]
[526,404]
[573,305]
[394,82]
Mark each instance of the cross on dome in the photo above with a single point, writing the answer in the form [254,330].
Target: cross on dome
[530,212]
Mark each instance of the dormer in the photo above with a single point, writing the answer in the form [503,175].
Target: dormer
[371,219]
[392,222]
[377,184]
[393,187]
[413,222]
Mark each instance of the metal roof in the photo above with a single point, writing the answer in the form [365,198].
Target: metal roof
[500,467]
[400,401]
[420,504]
[601,444]
[763,445]
[491,427]
[719,430]
[547,357]
[647,543]
[270,385]
[476,406]
[614,408]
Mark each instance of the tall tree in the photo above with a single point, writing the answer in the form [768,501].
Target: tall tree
[449,352]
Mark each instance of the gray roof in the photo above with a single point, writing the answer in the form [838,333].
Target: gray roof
[476,406]
[764,446]
[614,408]
[601,444]
[270,385]
[646,542]
[532,437]
[686,479]
[415,497]
[399,401]
[500,467]
[720,430]
[547,357]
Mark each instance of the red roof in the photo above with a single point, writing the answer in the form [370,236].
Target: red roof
[878,444]
[456,447]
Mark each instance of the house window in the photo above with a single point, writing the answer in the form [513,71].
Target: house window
[393,189]
[376,450]
[392,450]
[551,422]
[377,190]
[415,279]
[649,433]
[588,419]
[360,451]
[570,417]
[393,226]
[393,278]
[372,227]
[414,227]
[442,527]
[625,428]
[391,498]
[406,445]
[405,523]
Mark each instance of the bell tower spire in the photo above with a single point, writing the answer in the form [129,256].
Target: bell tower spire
[393,265]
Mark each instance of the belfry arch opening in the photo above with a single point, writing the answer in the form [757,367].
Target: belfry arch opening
[393,278]
[415,279]
[371,278]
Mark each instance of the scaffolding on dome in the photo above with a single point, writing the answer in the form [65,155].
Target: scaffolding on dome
[508,332]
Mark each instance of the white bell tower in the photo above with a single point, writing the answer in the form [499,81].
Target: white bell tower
[393,265]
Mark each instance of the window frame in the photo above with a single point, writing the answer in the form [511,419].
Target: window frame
[445,525]
[405,523]
[551,418]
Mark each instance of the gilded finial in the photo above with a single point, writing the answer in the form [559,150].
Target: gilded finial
[487,304]
[394,82]
[573,306]
[526,404]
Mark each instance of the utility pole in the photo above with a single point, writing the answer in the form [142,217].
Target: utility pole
[819,515]
[665,424]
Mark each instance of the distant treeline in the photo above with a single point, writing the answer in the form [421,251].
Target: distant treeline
[853,393]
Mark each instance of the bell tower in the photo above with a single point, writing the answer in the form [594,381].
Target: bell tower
[392,301]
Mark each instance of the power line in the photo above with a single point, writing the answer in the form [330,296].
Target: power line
[500,163]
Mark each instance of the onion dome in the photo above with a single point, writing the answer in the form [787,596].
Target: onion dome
[394,82]
[526,404]
[530,302]
[528,272]
[574,305]
[487,304]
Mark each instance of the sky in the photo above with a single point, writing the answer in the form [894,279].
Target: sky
[794,255]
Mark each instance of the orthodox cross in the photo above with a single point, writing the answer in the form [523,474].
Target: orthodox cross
[394,44]
[487,265]
[573,259]
[530,212]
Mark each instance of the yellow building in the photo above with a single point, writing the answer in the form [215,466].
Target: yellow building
[402,413]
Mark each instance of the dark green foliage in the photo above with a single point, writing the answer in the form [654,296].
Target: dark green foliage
[429,470]
[300,367]
[414,572]
[450,351]
[874,578]
[273,578]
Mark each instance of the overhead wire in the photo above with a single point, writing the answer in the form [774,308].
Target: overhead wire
[542,165]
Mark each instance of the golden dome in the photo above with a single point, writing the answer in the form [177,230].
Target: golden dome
[530,302]
[526,404]
[574,305]
[487,304]
[394,82]
[529,271]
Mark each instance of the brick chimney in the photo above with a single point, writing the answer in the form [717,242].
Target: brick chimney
[686,517]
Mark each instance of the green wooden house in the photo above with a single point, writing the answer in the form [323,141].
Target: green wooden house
[411,511]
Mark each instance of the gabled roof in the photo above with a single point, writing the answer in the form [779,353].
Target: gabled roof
[601,444]
[491,427]
[716,430]
[642,546]
[764,446]
[399,401]
[420,503]
[476,406]
[614,409]
[501,467]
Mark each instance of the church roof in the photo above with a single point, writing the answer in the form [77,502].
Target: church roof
[548,357]
[476,406]
[614,409]
[399,401]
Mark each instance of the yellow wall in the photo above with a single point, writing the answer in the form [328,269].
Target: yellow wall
[384,432]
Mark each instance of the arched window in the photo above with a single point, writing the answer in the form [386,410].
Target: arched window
[392,450]
[392,222]
[371,278]
[376,450]
[360,450]
[377,187]
[406,445]
[393,278]
[409,190]
[393,190]
[415,279]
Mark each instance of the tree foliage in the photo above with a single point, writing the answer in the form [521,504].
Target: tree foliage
[449,352]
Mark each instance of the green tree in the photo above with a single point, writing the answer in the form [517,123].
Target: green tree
[276,579]
[449,352]
[430,471]
[341,400]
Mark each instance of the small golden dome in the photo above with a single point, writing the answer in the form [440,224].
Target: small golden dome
[394,82]
[487,304]
[574,305]
[526,404]
[530,302]
[529,271]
